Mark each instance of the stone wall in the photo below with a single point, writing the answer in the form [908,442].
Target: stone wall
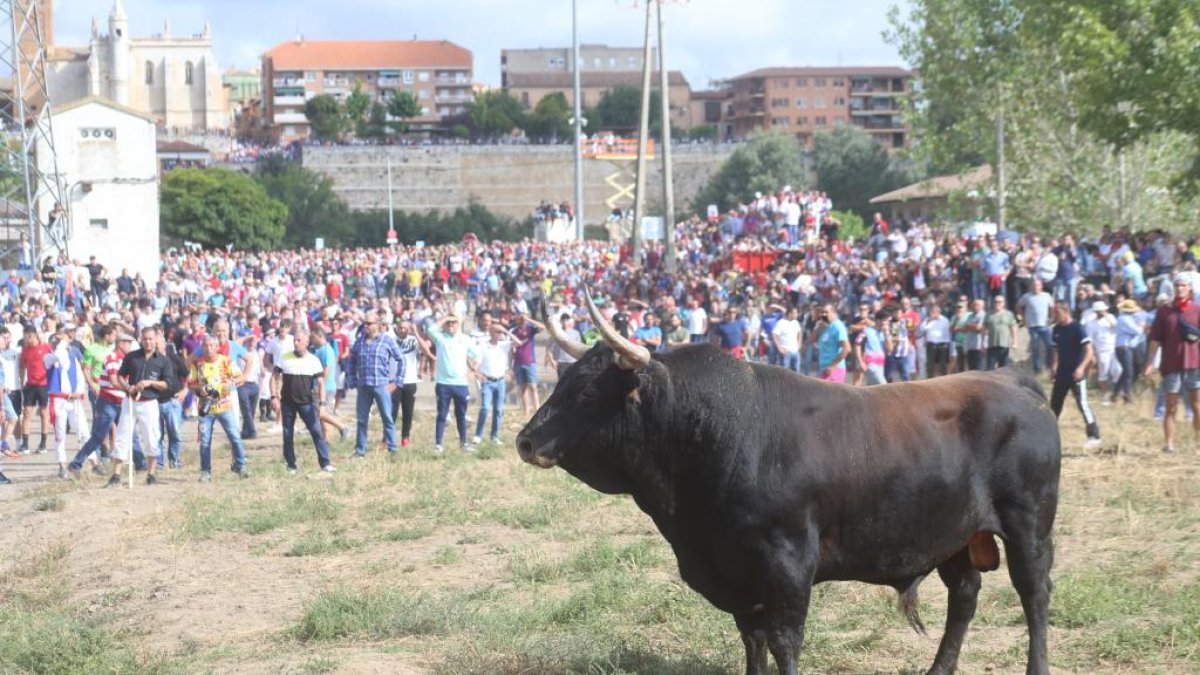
[510,180]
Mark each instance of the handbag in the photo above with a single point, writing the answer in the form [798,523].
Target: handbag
[1188,330]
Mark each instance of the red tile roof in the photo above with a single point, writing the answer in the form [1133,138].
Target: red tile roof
[367,55]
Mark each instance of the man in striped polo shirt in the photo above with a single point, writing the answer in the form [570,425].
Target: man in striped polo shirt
[296,388]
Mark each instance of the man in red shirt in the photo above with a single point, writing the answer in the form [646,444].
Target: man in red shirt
[1175,334]
[36,394]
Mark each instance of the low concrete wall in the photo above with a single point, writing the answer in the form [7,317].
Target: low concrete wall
[510,180]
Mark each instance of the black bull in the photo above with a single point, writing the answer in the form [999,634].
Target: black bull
[765,483]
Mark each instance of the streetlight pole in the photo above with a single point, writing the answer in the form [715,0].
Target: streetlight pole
[639,199]
[668,180]
[578,126]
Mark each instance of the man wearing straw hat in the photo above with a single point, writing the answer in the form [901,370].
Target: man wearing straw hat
[1131,333]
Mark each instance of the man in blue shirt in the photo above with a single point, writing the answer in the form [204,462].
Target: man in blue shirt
[376,369]
[649,335]
[1073,354]
[731,334]
[833,344]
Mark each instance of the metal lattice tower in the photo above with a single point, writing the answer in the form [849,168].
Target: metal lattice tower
[25,178]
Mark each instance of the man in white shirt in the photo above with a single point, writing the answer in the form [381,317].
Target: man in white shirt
[697,320]
[1102,329]
[495,362]
[786,338]
[936,331]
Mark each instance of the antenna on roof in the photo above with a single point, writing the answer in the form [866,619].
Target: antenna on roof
[299,35]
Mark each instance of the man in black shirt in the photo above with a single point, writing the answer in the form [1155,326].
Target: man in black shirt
[1073,354]
[296,391]
[146,376]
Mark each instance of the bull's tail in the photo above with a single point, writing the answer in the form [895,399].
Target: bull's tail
[910,604]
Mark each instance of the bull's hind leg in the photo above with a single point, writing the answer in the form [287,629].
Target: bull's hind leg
[754,637]
[1030,553]
[962,583]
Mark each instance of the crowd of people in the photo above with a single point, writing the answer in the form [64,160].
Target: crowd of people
[242,338]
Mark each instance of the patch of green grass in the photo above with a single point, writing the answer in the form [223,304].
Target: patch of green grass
[53,642]
[1083,600]
[447,555]
[317,665]
[530,516]
[407,533]
[376,614]
[599,556]
[52,503]
[322,543]
[204,517]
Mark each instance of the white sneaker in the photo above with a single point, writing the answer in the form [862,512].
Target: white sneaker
[468,448]
[437,449]
[291,471]
[1092,443]
[477,440]
[329,468]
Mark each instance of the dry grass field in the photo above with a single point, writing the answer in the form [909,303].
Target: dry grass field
[481,564]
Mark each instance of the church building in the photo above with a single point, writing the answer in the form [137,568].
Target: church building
[175,81]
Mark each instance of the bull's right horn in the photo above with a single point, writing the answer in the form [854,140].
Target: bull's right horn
[573,347]
[629,355]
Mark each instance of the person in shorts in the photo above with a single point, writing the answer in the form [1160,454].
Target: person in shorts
[1172,337]
[35,392]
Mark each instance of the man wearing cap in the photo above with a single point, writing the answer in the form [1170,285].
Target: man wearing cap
[107,411]
[376,369]
[1174,337]
[1102,329]
[1072,356]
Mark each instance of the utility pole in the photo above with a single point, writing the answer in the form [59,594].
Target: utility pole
[1001,201]
[578,126]
[668,179]
[639,199]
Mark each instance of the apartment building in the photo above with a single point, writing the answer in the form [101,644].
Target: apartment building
[438,72]
[806,100]
[529,75]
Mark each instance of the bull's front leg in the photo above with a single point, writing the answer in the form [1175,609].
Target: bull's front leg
[792,572]
[754,637]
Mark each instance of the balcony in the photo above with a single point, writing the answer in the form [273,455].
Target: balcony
[388,82]
[871,110]
[454,98]
[287,82]
[290,117]
[288,101]
[462,79]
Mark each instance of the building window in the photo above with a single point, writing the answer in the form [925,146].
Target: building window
[802,120]
[408,76]
[188,73]
[820,120]
[838,82]
[550,63]
[423,76]
[819,102]
[612,63]
[783,83]
[424,94]
[819,82]
[424,112]
[801,81]
[633,62]
[99,223]
[597,63]
[839,101]
[781,122]
[149,73]
[779,103]
[800,103]
[310,76]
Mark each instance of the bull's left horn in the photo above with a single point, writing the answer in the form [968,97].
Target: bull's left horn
[573,347]
[629,355]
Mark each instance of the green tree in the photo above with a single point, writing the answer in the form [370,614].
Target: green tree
[549,119]
[369,228]
[402,107]
[326,117]
[852,167]
[376,125]
[1135,66]
[496,113]
[619,109]
[313,208]
[766,163]
[358,103]
[216,207]
[705,132]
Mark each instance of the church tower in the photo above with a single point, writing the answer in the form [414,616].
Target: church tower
[118,62]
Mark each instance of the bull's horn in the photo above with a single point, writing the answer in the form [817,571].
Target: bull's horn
[573,347]
[629,355]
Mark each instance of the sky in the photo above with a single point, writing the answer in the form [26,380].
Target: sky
[706,39]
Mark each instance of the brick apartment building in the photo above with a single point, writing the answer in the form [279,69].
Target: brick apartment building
[439,73]
[806,100]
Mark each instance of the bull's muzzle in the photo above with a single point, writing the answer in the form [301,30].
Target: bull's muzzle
[544,456]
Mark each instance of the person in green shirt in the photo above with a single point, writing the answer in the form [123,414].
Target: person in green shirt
[958,323]
[1001,327]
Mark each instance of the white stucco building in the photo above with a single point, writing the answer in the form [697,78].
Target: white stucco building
[108,162]
[174,80]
